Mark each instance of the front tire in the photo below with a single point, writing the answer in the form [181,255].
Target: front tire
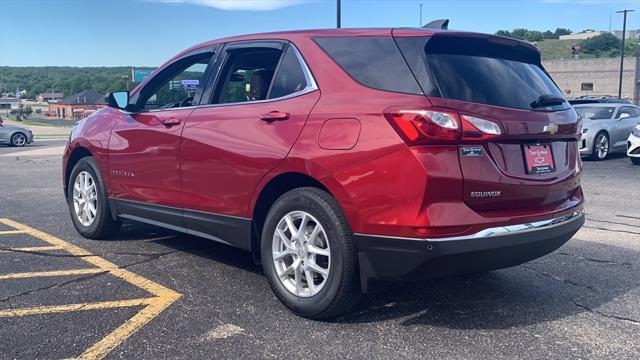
[18,139]
[88,202]
[601,146]
[308,254]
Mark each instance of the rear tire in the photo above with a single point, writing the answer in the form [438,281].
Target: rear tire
[89,204]
[601,146]
[635,160]
[323,245]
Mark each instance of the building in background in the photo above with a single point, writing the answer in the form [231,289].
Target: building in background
[78,106]
[49,97]
[596,77]
[7,103]
[630,34]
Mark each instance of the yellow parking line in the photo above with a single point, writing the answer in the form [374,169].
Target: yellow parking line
[52,273]
[54,309]
[9,232]
[31,249]
[154,306]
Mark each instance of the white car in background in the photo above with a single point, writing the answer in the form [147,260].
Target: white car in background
[633,145]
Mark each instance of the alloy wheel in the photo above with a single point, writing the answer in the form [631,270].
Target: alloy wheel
[19,139]
[85,198]
[301,254]
[602,146]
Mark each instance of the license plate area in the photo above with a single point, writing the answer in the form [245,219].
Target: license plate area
[538,158]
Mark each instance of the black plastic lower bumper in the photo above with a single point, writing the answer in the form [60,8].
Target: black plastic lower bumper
[384,258]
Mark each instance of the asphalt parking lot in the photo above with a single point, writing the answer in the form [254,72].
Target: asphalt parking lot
[153,293]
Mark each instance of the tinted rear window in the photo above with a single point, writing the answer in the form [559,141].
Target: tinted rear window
[480,70]
[491,81]
[375,62]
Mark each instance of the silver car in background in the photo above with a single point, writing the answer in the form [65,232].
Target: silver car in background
[606,128]
[15,136]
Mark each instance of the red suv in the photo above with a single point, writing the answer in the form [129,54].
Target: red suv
[340,158]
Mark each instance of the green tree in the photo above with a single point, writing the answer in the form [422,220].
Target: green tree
[533,36]
[560,31]
[601,43]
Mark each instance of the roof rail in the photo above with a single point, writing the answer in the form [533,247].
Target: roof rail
[438,24]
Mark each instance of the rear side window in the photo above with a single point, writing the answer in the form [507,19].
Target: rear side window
[374,62]
[290,77]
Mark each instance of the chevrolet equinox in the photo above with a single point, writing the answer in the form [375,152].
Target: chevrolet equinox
[341,158]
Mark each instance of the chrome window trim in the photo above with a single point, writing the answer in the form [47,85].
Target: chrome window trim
[498,231]
[311,86]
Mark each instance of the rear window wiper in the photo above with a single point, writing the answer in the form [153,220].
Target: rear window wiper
[547,100]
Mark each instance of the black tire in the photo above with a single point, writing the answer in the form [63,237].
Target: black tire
[341,290]
[635,160]
[103,226]
[594,154]
[18,139]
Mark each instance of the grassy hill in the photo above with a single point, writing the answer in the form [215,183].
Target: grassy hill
[561,49]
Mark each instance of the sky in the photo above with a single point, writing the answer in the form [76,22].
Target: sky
[148,32]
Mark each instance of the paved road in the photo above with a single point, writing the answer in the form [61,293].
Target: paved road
[582,301]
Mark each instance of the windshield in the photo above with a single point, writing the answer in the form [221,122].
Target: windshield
[595,112]
[492,81]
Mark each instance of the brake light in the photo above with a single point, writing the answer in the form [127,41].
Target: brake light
[435,126]
[422,126]
[477,129]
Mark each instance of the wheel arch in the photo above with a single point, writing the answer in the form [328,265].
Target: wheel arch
[75,156]
[280,183]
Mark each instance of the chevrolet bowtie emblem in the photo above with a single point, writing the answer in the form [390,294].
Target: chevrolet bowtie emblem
[551,129]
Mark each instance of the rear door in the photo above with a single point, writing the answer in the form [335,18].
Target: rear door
[257,108]
[533,163]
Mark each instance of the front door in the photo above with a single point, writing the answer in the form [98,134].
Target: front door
[258,108]
[144,148]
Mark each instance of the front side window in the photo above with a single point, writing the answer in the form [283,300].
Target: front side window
[629,110]
[177,85]
[246,75]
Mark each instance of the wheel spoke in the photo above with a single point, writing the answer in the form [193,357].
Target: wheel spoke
[298,279]
[292,228]
[281,255]
[317,269]
[285,240]
[310,283]
[314,234]
[316,250]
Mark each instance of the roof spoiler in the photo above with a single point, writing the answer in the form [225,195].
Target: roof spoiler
[438,24]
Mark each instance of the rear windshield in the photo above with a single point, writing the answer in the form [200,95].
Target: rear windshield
[481,71]
[491,81]
[595,112]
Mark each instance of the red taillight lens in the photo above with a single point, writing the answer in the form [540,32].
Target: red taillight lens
[477,129]
[436,126]
[424,126]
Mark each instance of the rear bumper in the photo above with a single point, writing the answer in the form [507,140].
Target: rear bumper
[384,258]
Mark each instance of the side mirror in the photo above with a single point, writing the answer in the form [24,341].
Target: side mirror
[118,99]
[624,115]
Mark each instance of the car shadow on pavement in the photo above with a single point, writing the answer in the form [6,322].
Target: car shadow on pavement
[582,276]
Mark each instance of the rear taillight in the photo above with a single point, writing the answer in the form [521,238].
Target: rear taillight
[437,126]
[424,126]
[474,128]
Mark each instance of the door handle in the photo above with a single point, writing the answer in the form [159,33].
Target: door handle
[171,122]
[275,116]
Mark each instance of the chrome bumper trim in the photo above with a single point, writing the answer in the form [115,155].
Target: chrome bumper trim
[500,230]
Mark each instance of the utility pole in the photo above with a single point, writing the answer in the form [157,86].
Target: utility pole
[420,24]
[624,29]
[338,13]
